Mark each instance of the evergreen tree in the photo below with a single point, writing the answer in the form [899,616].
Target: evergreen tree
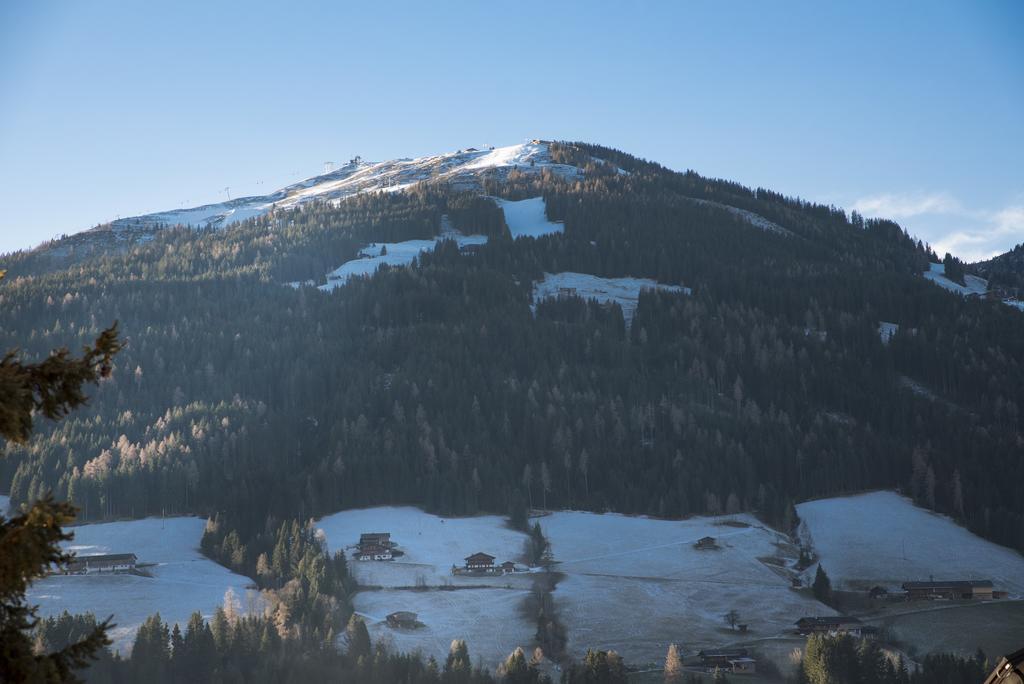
[822,587]
[30,540]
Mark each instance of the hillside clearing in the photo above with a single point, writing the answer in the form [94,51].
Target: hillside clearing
[637,584]
[182,582]
[883,538]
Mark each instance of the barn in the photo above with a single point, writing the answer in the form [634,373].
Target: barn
[721,658]
[956,589]
[111,562]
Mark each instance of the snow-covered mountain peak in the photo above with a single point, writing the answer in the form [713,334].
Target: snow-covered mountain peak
[464,168]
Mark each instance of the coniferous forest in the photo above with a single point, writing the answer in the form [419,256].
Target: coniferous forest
[261,405]
[438,386]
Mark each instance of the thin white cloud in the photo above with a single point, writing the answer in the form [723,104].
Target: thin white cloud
[949,226]
[897,206]
[992,233]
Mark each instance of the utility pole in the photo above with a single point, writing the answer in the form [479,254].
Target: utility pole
[228,192]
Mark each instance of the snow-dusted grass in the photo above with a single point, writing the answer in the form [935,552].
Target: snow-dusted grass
[490,620]
[636,584]
[623,291]
[936,273]
[883,538]
[486,611]
[526,218]
[183,580]
[377,254]
[431,545]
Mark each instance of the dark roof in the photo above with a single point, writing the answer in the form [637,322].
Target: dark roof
[108,557]
[402,615]
[736,653]
[481,556]
[832,620]
[954,584]
[374,535]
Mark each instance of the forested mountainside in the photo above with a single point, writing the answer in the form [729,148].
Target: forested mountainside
[1005,273]
[439,385]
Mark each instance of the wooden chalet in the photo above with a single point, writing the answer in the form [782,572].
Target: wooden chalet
[957,589]
[480,562]
[111,562]
[508,567]
[373,552]
[834,624]
[374,546]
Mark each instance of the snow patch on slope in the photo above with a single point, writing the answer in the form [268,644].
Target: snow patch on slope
[976,286]
[750,217]
[886,330]
[883,538]
[183,580]
[623,291]
[1015,303]
[377,254]
[528,218]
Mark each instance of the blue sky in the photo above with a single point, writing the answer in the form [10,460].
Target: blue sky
[912,110]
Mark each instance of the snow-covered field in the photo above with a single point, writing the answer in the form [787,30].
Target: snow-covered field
[975,285]
[431,544]
[486,611]
[490,620]
[637,584]
[623,291]
[526,218]
[883,538]
[183,580]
